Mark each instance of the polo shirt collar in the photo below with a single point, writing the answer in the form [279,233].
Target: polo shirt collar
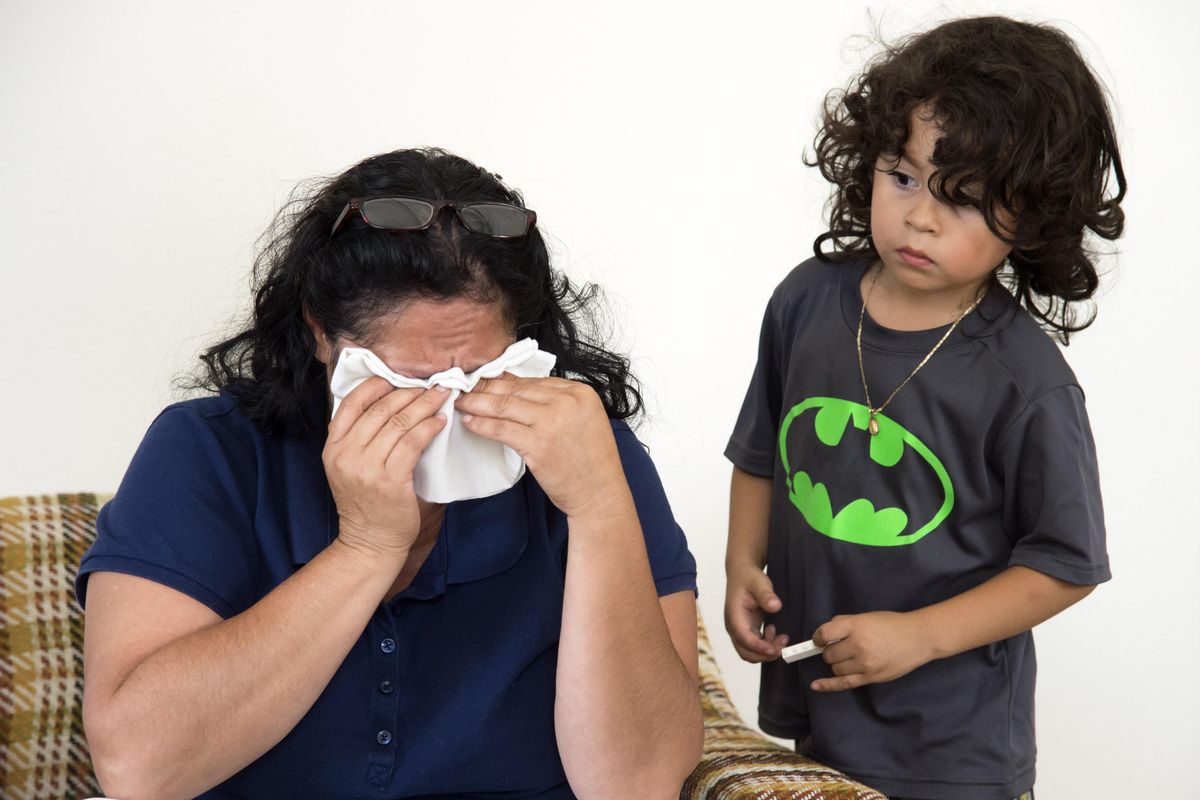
[478,539]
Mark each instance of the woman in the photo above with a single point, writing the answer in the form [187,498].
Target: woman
[273,611]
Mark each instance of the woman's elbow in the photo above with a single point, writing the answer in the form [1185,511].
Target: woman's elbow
[691,747]
[663,775]
[125,763]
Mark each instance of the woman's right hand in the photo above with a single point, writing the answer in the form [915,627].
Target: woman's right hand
[374,441]
[749,596]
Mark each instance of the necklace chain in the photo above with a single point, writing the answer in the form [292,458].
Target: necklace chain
[872,424]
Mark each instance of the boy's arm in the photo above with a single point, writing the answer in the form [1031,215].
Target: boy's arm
[883,645]
[748,591]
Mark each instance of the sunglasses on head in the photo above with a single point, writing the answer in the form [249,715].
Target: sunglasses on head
[502,220]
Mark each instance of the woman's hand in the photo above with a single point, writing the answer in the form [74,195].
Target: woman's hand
[374,442]
[561,430]
[871,648]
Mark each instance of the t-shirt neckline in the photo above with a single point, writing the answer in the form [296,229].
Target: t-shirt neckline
[985,320]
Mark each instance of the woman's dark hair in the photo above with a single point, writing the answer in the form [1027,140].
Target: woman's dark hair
[1027,136]
[347,281]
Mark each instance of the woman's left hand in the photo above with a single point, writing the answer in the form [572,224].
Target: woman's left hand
[561,430]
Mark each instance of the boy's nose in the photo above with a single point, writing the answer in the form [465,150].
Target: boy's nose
[922,215]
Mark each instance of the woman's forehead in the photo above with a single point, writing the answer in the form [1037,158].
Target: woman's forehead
[426,336]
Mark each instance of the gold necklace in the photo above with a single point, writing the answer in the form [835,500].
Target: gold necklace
[872,424]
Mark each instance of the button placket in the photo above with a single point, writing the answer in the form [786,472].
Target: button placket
[384,644]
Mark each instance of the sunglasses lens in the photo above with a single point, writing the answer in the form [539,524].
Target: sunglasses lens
[495,219]
[397,213]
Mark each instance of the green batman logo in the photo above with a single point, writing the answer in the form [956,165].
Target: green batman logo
[859,521]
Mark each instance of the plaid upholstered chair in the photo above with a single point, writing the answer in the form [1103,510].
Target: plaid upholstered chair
[43,753]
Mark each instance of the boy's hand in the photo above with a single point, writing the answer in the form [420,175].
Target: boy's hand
[749,595]
[870,648]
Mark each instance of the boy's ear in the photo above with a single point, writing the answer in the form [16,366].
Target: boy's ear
[324,349]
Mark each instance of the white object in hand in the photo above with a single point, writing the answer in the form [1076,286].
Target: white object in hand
[800,651]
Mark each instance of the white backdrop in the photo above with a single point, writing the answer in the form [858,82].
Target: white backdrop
[144,145]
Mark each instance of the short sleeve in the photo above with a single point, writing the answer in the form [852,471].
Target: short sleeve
[671,563]
[751,447]
[1052,508]
[183,515]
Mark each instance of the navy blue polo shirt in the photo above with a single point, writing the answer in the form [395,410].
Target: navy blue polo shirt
[449,692]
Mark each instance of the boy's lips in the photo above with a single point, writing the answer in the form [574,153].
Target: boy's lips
[914,257]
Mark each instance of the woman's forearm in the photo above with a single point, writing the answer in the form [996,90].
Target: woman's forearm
[207,704]
[627,713]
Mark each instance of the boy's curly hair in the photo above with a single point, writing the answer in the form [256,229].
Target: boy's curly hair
[1028,137]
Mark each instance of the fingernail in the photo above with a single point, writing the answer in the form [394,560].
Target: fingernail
[441,389]
[468,417]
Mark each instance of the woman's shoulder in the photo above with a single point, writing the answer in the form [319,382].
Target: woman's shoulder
[207,424]
[640,471]
[218,409]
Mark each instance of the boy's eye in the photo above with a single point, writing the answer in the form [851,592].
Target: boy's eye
[904,181]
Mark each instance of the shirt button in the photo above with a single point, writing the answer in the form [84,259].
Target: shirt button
[386,687]
[388,645]
[384,737]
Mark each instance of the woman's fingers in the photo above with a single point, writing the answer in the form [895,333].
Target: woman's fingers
[403,457]
[562,431]
[511,434]
[502,405]
[399,421]
[353,405]
[541,390]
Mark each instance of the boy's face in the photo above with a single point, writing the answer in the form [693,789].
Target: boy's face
[943,251]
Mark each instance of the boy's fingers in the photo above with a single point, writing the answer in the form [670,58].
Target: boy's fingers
[754,655]
[831,632]
[839,683]
[764,595]
[746,654]
[748,638]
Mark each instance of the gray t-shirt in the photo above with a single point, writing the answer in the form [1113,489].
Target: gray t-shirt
[983,461]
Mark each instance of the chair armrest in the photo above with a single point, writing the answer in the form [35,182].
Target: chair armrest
[741,764]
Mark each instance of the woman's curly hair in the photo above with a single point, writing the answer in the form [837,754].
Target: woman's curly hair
[346,282]
[1027,139]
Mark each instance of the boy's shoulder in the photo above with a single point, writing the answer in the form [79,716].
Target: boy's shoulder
[814,274]
[1027,352]
[813,289]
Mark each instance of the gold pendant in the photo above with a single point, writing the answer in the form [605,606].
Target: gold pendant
[872,425]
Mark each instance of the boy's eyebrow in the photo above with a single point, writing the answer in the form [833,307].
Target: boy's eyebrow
[907,156]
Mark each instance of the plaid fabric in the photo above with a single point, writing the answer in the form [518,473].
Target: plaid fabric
[741,764]
[43,753]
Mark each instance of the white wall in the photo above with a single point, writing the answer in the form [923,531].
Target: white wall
[143,146]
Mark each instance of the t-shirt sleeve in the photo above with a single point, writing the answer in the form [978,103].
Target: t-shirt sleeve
[1052,508]
[671,563]
[751,447]
[183,515]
